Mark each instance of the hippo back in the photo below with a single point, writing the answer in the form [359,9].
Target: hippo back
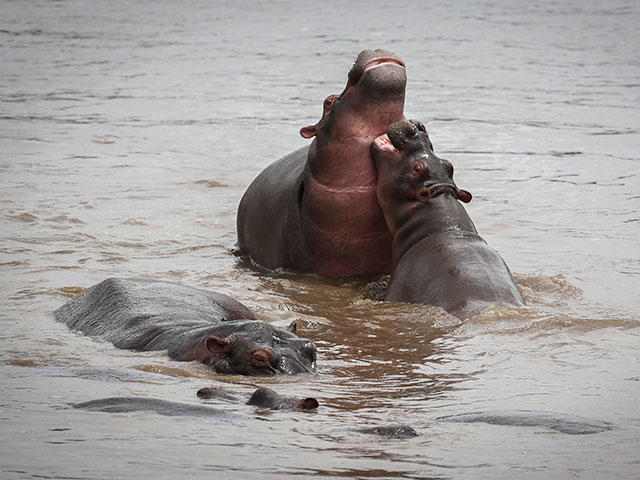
[457,271]
[131,313]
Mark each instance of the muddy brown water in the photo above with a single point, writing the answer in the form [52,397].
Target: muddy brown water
[128,133]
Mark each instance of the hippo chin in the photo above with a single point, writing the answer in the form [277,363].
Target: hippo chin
[315,210]
[439,258]
[189,323]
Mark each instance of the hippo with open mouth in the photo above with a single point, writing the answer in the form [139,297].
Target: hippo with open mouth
[315,210]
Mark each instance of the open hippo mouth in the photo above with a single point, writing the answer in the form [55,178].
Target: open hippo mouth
[369,60]
[375,63]
[383,142]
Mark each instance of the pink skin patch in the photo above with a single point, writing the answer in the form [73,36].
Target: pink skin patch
[383,143]
[382,61]
[375,63]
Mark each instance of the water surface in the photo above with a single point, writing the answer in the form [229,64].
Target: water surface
[128,133]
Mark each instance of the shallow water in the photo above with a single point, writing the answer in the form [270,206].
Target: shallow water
[128,133]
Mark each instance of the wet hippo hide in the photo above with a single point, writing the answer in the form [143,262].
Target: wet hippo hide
[190,324]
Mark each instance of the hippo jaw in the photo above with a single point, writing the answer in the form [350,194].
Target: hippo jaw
[261,349]
[368,60]
[372,99]
[375,91]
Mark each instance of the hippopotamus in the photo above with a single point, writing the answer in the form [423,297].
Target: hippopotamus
[191,324]
[263,397]
[439,258]
[315,210]
[155,405]
[560,422]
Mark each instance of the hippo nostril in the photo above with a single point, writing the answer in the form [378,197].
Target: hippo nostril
[448,167]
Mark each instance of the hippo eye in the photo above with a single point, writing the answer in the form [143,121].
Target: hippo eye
[261,359]
[328,102]
[418,168]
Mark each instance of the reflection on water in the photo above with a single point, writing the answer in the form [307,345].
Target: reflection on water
[129,132]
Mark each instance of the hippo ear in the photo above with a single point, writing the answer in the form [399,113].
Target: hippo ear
[463,195]
[419,125]
[293,327]
[310,131]
[218,345]
[307,404]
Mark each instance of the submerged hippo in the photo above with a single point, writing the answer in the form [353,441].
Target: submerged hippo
[315,210]
[560,422]
[263,397]
[189,323]
[439,258]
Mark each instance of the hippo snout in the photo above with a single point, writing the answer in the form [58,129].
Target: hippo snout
[405,130]
[300,359]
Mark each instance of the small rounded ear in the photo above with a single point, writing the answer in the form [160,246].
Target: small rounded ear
[419,125]
[218,345]
[463,195]
[261,358]
[293,327]
[206,393]
[310,131]
[307,404]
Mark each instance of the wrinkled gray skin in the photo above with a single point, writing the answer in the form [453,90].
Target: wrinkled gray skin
[439,258]
[262,397]
[570,424]
[189,323]
[315,210]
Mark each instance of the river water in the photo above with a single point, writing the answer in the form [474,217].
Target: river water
[128,134]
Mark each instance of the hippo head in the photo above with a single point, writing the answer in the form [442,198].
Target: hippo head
[409,173]
[252,347]
[371,100]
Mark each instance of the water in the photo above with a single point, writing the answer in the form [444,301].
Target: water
[128,133]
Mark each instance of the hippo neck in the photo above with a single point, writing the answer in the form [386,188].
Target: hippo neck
[443,214]
[340,155]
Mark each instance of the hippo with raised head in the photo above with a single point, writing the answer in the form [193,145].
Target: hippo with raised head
[315,210]
[189,323]
[439,258]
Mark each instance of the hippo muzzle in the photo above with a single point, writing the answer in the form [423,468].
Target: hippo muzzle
[258,348]
[405,154]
